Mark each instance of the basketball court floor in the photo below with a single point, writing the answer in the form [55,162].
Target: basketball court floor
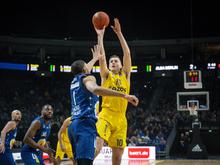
[157,162]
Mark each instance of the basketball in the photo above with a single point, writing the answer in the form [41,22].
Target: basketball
[100,19]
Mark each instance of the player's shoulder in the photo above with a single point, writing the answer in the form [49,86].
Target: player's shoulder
[38,119]
[89,77]
[68,120]
[12,124]
[37,122]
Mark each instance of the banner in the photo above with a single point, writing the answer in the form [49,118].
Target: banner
[137,153]
[130,153]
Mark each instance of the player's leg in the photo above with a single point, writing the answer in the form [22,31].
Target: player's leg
[117,141]
[69,152]
[59,155]
[104,132]
[117,155]
[30,158]
[40,158]
[6,158]
[85,162]
[57,161]
[99,144]
[86,137]
[71,135]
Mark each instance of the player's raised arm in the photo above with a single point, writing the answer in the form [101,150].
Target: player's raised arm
[102,61]
[95,58]
[126,51]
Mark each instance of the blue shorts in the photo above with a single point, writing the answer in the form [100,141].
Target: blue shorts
[32,158]
[82,135]
[6,158]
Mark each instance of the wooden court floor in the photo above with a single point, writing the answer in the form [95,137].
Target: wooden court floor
[188,162]
[157,162]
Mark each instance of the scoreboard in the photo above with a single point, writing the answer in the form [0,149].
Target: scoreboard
[48,67]
[192,76]
[192,79]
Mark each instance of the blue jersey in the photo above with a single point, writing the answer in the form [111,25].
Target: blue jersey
[6,157]
[83,102]
[10,138]
[41,135]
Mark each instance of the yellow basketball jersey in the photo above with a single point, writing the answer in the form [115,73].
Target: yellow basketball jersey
[64,136]
[117,82]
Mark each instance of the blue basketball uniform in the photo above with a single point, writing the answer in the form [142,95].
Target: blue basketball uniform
[6,158]
[82,131]
[31,155]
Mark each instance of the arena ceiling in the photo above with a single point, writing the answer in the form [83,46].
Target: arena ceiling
[40,50]
[139,20]
[155,30]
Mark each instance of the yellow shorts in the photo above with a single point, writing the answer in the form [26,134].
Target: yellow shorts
[112,127]
[60,153]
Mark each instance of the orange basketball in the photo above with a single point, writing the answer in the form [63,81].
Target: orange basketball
[100,19]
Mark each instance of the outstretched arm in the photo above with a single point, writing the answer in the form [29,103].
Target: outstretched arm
[102,61]
[92,62]
[126,51]
[9,126]
[90,84]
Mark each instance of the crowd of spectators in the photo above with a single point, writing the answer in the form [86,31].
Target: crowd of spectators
[153,126]
[28,96]
[146,127]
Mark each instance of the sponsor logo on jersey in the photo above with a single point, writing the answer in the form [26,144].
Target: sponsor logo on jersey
[119,89]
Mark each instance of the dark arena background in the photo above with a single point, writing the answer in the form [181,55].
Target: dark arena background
[175,49]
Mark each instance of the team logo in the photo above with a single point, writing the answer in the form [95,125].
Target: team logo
[44,134]
[118,82]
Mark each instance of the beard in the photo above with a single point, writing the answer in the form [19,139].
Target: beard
[48,117]
[17,120]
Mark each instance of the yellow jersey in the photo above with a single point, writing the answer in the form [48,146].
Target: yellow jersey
[64,136]
[117,82]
